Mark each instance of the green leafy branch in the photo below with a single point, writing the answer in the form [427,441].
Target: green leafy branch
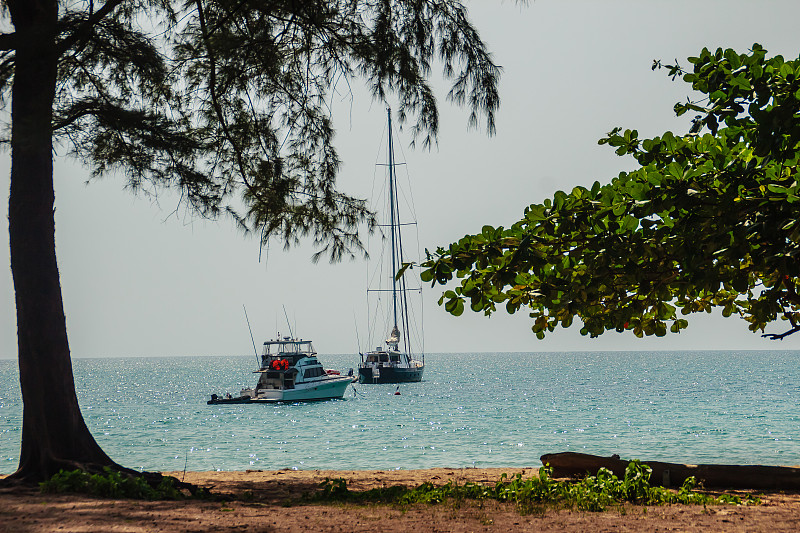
[707,220]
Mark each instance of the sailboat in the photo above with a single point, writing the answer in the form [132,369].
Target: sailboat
[394,360]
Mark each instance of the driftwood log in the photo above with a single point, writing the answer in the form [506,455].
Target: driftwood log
[576,465]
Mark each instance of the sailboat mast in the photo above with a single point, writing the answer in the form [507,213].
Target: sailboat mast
[392,219]
[392,360]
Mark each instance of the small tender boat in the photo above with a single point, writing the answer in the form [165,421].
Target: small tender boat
[290,372]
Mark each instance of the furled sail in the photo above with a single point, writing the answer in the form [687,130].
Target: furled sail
[394,336]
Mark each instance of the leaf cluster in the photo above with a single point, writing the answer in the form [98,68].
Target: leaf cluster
[593,493]
[228,101]
[708,219]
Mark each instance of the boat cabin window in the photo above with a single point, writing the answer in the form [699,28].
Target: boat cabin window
[287,347]
[313,372]
[395,358]
[382,357]
[269,380]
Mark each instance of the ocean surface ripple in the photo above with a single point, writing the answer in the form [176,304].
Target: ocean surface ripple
[481,410]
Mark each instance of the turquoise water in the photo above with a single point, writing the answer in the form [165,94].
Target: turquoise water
[484,410]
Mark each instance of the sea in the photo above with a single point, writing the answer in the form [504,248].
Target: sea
[471,410]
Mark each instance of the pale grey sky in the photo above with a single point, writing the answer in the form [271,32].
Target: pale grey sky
[140,280]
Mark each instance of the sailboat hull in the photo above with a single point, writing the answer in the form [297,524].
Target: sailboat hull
[389,374]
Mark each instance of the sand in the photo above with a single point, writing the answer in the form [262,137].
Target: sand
[272,502]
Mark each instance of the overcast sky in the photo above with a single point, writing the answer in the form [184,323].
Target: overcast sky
[140,279]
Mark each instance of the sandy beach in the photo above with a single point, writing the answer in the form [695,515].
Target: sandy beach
[271,501]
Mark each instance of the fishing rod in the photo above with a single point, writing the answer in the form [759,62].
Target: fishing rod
[255,351]
[291,334]
[358,339]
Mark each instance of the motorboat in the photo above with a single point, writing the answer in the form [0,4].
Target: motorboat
[290,371]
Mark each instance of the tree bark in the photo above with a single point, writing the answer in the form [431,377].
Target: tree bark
[54,434]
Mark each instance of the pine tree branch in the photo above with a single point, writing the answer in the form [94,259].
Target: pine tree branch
[84,33]
[212,84]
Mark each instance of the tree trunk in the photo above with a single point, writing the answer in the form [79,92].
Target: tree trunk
[54,434]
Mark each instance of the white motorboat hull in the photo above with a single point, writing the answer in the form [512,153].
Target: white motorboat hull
[323,389]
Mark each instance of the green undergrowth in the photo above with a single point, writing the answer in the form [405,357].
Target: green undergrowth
[113,484]
[593,493]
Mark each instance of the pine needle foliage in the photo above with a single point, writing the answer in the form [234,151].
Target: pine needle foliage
[228,101]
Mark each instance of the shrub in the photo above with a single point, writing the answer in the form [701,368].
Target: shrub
[111,484]
[593,493]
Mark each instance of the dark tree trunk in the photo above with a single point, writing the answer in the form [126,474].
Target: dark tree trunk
[54,434]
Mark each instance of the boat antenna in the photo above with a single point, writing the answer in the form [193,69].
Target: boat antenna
[251,332]
[291,333]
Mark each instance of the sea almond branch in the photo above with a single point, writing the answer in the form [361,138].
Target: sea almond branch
[781,336]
